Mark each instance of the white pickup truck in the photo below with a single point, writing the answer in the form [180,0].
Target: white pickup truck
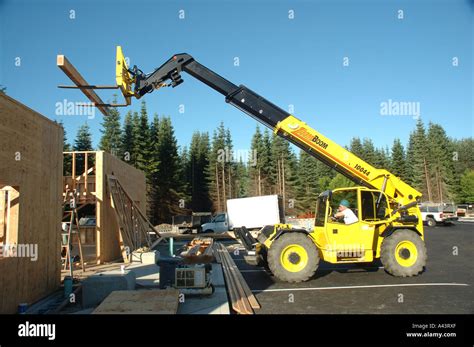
[433,214]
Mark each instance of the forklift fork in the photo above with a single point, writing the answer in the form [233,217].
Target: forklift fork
[251,245]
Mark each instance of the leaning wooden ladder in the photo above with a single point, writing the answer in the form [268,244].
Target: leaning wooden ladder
[134,226]
[66,246]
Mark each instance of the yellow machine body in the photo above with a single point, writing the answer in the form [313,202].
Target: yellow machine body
[359,242]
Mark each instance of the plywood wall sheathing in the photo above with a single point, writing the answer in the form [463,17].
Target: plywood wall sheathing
[134,183]
[31,159]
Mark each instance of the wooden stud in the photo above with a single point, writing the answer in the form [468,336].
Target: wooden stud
[85,174]
[73,173]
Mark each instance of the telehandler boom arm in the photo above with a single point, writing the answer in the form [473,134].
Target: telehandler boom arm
[281,122]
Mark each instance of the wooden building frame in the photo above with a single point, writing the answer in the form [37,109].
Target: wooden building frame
[90,170]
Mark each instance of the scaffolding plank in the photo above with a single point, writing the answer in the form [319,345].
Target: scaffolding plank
[70,71]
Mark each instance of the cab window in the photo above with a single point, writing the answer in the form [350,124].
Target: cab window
[370,210]
[320,212]
[349,195]
[219,218]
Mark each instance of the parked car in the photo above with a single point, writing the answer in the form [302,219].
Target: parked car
[89,221]
[461,210]
[465,210]
[183,224]
[433,214]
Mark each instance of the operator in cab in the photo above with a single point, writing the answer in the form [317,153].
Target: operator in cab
[345,213]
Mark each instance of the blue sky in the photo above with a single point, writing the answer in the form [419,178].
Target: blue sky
[288,61]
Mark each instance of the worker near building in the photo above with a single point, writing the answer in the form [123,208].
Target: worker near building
[346,213]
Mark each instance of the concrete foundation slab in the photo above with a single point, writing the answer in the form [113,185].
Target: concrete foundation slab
[97,287]
[146,275]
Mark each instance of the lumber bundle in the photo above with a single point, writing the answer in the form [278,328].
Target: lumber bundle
[242,299]
[199,251]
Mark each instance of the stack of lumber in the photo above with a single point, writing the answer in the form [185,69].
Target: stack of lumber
[199,251]
[140,302]
[242,299]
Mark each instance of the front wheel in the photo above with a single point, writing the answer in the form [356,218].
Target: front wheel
[403,253]
[293,257]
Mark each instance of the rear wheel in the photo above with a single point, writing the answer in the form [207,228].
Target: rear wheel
[431,222]
[403,253]
[293,257]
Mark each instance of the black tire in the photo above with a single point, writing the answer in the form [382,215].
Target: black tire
[279,245]
[431,222]
[389,258]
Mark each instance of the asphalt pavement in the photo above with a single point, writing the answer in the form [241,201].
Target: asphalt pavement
[446,285]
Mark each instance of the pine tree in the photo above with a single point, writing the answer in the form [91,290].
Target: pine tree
[284,173]
[67,159]
[142,141]
[308,183]
[163,167]
[83,142]
[382,160]
[463,155]
[356,147]
[467,187]
[136,138]
[111,132]
[198,173]
[270,161]
[241,179]
[127,144]
[368,152]
[417,161]
[398,160]
[441,165]
[256,163]
[325,174]
[340,181]
[184,190]
[463,159]
[218,158]
[230,166]
[154,161]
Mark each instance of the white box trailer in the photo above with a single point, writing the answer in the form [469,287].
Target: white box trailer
[252,213]
[255,212]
